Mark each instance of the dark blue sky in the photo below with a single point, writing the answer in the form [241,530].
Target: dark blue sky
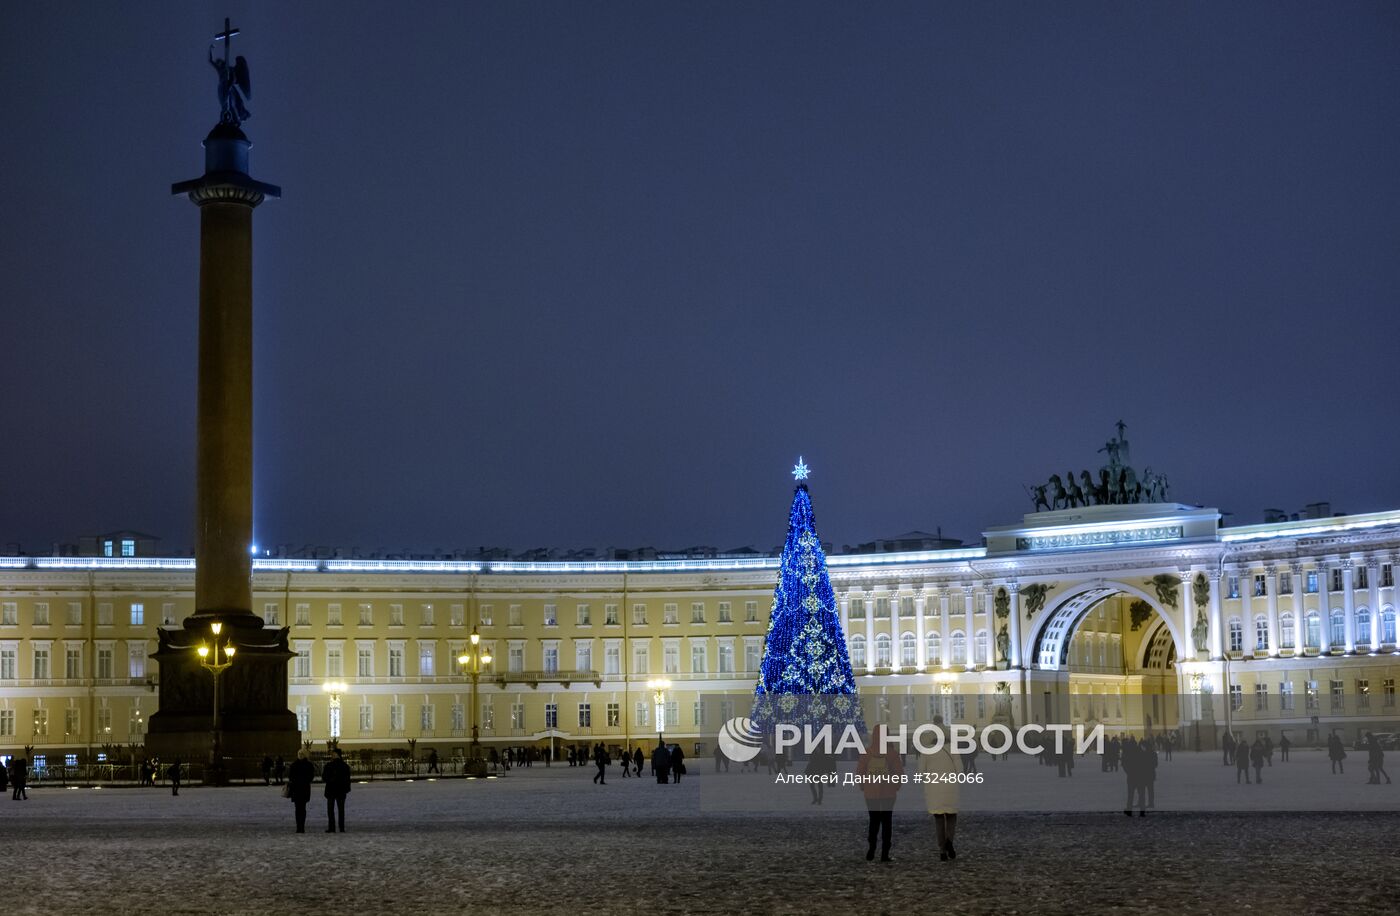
[597,273]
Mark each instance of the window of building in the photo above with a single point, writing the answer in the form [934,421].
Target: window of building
[1287,631]
[1363,693]
[1363,626]
[670,658]
[1285,583]
[9,654]
[1261,696]
[457,615]
[135,722]
[302,615]
[551,615]
[614,712]
[7,723]
[515,616]
[1388,692]
[612,659]
[640,657]
[1236,697]
[906,606]
[1232,587]
[933,648]
[1260,587]
[366,718]
[396,615]
[1338,694]
[488,716]
[73,663]
[1388,626]
[908,651]
[427,718]
[302,663]
[333,615]
[138,615]
[136,660]
[670,613]
[583,656]
[1261,633]
[366,615]
[725,614]
[585,715]
[1310,694]
[551,715]
[484,615]
[610,615]
[585,615]
[883,651]
[427,615]
[41,662]
[427,659]
[958,647]
[70,723]
[639,615]
[41,614]
[272,614]
[1335,575]
[1387,576]
[698,713]
[697,658]
[9,614]
[1312,637]
[515,657]
[1362,577]
[395,718]
[673,714]
[857,608]
[551,657]
[104,663]
[643,714]
[458,712]
[335,661]
[1285,696]
[1310,582]
[858,651]
[725,658]
[697,612]
[303,718]
[1236,630]
[981,645]
[75,614]
[1338,635]
[882,608]
[750,615]
[366,662]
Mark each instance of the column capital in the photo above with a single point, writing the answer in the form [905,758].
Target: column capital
[968,590]
[1296,566]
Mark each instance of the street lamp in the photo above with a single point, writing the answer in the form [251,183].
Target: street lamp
[211,662]
[659,686]
[473,661]
[334,689]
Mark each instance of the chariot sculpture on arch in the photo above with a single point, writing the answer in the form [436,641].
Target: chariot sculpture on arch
[1117,483]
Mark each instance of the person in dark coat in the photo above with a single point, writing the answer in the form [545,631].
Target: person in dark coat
[1336,753]
[882,769]
[1131,765]
[677,763]
[1375,761]
[638,758]
[19,778]
[661,762]
[432,762]
[174,774]
[336,775]
[279,770]
[1283,747]
[299,779]
[1256,760]
[600,759]
[1227,744]
[267,770]
[1242,761]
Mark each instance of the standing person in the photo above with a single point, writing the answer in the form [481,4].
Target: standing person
[677,763]
[432,761]
[1375,760]
[280,769]
[1268,750]
[661,762]
[638,758]
[1228,745]
[600,757]
[1131,764]
[883,768]
[336,775]
[1256,759]
[1242,760]
[1169,745]
[1283,745]
[1336,753]
[1147,779]
[174,774]
[940,771]
[19,778]
[299,779]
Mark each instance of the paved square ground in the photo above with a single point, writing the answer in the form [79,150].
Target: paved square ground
[546,840]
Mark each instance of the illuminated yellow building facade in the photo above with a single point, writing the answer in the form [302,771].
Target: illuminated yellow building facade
[1287,626]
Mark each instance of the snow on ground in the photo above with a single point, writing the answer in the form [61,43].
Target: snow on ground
[546,840]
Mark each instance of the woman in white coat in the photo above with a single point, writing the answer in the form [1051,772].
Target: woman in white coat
[941,771]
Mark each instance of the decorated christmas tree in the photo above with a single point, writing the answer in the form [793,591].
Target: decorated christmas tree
[804,654]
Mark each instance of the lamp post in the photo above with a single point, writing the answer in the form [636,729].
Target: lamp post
[334,689]
[211,661]
[473,661]
[659,686]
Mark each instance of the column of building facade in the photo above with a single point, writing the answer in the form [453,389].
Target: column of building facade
[844,603]
[1324,607]
[969,643]
[944,613]
[1248,639]
[921,649]
[1373,579]
[1300,614]
[1271,600]
[869,599]
[1013,589]
[1349,605]
[1217,632]
[1188,613]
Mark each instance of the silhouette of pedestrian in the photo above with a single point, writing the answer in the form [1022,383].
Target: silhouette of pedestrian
[267,770]
[1283,745]
[661,762]
[299,779]
[336,775]
[883,768]
[677,763]
[600,758]
[1242,761]
[1336,753]
[174,774]
[280,770]
[1375,761]
[638,758]
[1256,759]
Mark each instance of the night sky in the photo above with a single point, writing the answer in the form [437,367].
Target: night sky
[597,273]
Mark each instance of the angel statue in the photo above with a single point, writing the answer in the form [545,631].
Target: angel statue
[234,88]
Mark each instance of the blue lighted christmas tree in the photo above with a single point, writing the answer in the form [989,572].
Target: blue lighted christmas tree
[805,650]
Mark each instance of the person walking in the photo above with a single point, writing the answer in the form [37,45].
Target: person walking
[600,758]
[279,770]
[1228,745]
[1242,761]
[433,761]
[1283,745]
[1256,760]
[19,778]
[638,758]
[879,771]
[299,779]
[939,771]
[1268,750]
[174,774]
[661,762]
[677,763]
[336,775]
[1336,753]
[267,770]
[1375,761]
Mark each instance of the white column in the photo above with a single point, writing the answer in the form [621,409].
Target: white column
[944,614]
[1349,605]
[1188,613]
[921,650]
[1246,580]
[869,630]
[1014,588]
[1373,576]
[1300,610]
[1271,597]
[989,614]
[970,611]
[844,600]
[1217,627]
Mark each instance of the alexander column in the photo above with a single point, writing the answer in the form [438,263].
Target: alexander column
[234,711]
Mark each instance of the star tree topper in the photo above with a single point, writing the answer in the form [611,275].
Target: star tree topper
[800,470]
